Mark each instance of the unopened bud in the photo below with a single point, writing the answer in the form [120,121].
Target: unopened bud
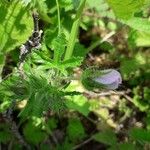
[101,79]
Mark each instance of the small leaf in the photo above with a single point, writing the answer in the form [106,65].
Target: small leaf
[41,6]
[143,39]
[33,134]
[58,45]
[125,9]
[140,24]
[50,125]
[73,62]
[79,50]
[79,103]
[5,135]
[107,137]
[75,130]
[140,134]
[101,7]
[123,146]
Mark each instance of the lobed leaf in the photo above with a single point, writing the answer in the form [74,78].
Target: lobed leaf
[16,25]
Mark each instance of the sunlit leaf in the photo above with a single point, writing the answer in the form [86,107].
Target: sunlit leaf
[140,24]
[16,25]
[107,137]
[125,9]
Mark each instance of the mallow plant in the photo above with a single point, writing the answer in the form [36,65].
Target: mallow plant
[41,80]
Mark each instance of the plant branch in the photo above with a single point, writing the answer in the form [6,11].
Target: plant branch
[7,115]
[95,44]
[82,144]
[97,95]
[32,42]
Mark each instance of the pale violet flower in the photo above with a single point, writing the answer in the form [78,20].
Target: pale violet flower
[110,79]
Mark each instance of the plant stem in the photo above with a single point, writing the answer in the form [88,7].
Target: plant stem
[74,31]
[58,15]
[2,63]
[95,44]
[13,126]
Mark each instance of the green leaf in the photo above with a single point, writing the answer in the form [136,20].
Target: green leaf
[123,146]
[49,36]
[129,66]
[75,130]
[5,135]
[66,145]
[42,8]
[139,134]
[42,96]
[139,39]
[16,25]
[72,62]
[125,9]
[143,39]
[58,45]
[50,125]
[33,134]
[76,3]
[138,102]
[39,100]
[79,50]
[107,137]
[65,3]
[44,146]
[37,81]
[79,103]
[4,105]
[27,109]
[56,102]
[102,8]
[140,24]
[132,65]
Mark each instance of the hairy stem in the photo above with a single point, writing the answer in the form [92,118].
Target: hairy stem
[58,15]
[74,31]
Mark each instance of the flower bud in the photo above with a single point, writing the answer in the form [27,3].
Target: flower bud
[101,79]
